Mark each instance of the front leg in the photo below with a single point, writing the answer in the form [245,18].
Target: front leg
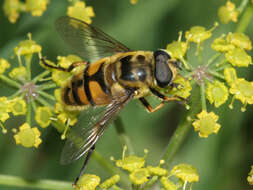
[149,107]
[165,98]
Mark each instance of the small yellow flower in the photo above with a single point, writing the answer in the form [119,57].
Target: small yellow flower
[36,7]
[198,34]
[221,45]
[18,106]
[177,49]
[230,75]
[43,116]
[27,136]
[206,124]
[63,116]
[238,57]
[240,40]
[185,172]
[131,163]
[217,93]
[11,9]
[27,47]
[80,11]
[158,171]
[4,109]
[4,64]
[242,90]
[18,73]
[60,77]
[87,182]
[134,1]
[110,182]
[168,184]
[250,177]
[228,13]
[183,89]
[139,176]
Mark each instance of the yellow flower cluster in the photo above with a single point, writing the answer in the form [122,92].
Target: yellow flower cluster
[90,182]
[228,13]
[80,11]
[31,96]
[139,174]
[12,8]
[215,85]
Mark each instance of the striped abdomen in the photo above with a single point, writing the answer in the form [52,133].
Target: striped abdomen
[88,87]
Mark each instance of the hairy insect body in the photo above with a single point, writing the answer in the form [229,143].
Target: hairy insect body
[100,82]
[107,85]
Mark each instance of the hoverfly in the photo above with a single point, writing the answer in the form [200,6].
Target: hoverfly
[105,86]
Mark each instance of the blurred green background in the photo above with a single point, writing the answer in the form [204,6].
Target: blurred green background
[223,160]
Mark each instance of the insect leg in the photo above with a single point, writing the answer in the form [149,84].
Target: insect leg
[69,69]
[85,163]
[164,98]
[149,107]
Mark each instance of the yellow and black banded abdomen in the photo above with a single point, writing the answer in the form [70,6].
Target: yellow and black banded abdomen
[87,88]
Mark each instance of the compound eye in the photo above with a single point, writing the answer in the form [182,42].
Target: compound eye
[163,73]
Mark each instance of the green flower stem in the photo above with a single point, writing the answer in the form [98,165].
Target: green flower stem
[46,95]
[176,141]
[111,168]
[182,130]
[40,184]
[222,67]
[10,82]
[186,65]
[16,94]
[40,76]
[213,59]
[43,102]
[122,135]
[29,113]
[242,6]
[203,95]
[28,59]
[216,74]
[245,19]
[221,62]
[47,86]
[33,106]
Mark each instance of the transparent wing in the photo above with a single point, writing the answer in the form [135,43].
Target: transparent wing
[90,127]
[88,41]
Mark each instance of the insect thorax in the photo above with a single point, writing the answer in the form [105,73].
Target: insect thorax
[135,69]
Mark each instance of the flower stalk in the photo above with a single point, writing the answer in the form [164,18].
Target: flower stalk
[15,181]
[124,138]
